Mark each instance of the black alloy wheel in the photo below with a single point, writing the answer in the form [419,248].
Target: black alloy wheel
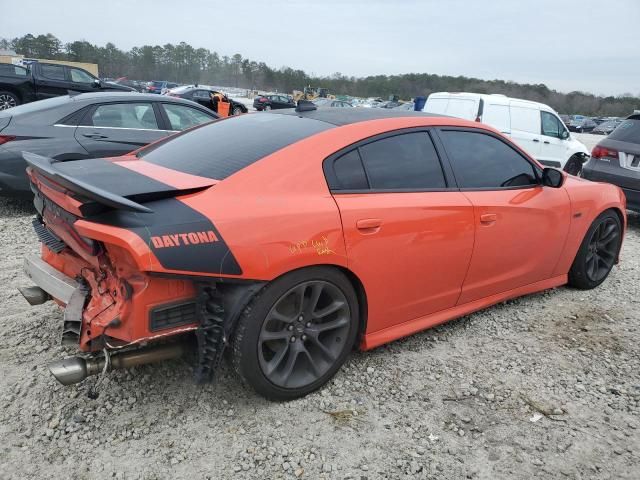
[8,100]
[296,333]
[603,249]
[303,334]
[598,252]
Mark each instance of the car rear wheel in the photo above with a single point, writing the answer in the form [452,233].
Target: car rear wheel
[297,333]
[267,108]
[598,252]
[8,100]
[236,111]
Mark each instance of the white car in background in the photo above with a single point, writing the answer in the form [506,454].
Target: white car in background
[534,126]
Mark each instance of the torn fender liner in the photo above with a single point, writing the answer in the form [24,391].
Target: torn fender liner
[182,238]
[218,308]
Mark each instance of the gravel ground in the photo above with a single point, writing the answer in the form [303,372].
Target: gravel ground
[546,386]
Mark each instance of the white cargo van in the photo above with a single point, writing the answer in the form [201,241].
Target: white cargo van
[536,127]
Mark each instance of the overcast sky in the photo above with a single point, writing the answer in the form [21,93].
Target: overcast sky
[589,45]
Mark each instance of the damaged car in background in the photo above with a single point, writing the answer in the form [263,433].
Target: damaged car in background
[306,242]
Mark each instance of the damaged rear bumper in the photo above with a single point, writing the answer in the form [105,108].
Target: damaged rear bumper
[51,283]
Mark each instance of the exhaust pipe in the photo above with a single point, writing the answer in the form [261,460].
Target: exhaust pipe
[34,295]
[75,369]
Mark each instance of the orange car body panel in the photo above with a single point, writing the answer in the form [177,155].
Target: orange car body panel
[422,257]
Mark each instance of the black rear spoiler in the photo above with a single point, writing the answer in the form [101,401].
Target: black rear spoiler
[46,166]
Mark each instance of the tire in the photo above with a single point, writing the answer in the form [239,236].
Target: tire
[266,108]
[573,165]
[8,100]
[600,247]
[237,111]
[285,353]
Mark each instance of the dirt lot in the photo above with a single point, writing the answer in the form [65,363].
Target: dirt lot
[547,386]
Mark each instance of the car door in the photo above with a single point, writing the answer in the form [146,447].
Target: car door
[520,226]
[113,129]
[81,81]
[525,126]
[408,236]
[179,117]
[52,81]
[553,150]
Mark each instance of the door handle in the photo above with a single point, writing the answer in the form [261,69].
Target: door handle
[536,140]
[369,224]
[546,142]
[488,218]
[94,135]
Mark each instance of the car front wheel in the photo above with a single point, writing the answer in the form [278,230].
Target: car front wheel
[297,333]
[598,252]
[236,111]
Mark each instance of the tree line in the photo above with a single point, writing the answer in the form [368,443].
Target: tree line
[183,63]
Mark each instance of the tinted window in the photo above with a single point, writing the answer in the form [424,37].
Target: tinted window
[203,94]
[627,131]
[6,69]
[182,117]
[551,126]
[483,161]
[54,72]
[403,161]
[222,148]
[80,76]
[125,115]
[349,172]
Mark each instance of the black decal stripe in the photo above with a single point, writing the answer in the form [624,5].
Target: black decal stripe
[170,217]
[111,177]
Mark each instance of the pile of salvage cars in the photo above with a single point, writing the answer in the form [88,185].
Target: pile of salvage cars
[290,238]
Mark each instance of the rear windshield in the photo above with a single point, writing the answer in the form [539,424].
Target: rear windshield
[627,131]
[157,84]
[222,148]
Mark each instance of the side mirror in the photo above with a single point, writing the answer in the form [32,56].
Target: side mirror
[97,83]
[552,178]
[564,135]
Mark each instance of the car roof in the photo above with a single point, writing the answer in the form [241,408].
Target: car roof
[346,116]
[92,96]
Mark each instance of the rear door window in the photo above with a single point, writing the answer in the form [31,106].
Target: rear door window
[406,161]
[349,172]
[182,117]
[481,161]
[53,72]
[627,131]
[125,115]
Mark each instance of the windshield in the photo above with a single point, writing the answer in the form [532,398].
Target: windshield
[627,131]
[157,84]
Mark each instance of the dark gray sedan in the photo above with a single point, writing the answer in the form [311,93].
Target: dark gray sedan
[90,125]
[616,159]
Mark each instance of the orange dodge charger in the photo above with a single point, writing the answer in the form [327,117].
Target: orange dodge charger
[289,238]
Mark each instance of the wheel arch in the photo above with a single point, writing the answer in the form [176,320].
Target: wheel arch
[14,91]
[353,279]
